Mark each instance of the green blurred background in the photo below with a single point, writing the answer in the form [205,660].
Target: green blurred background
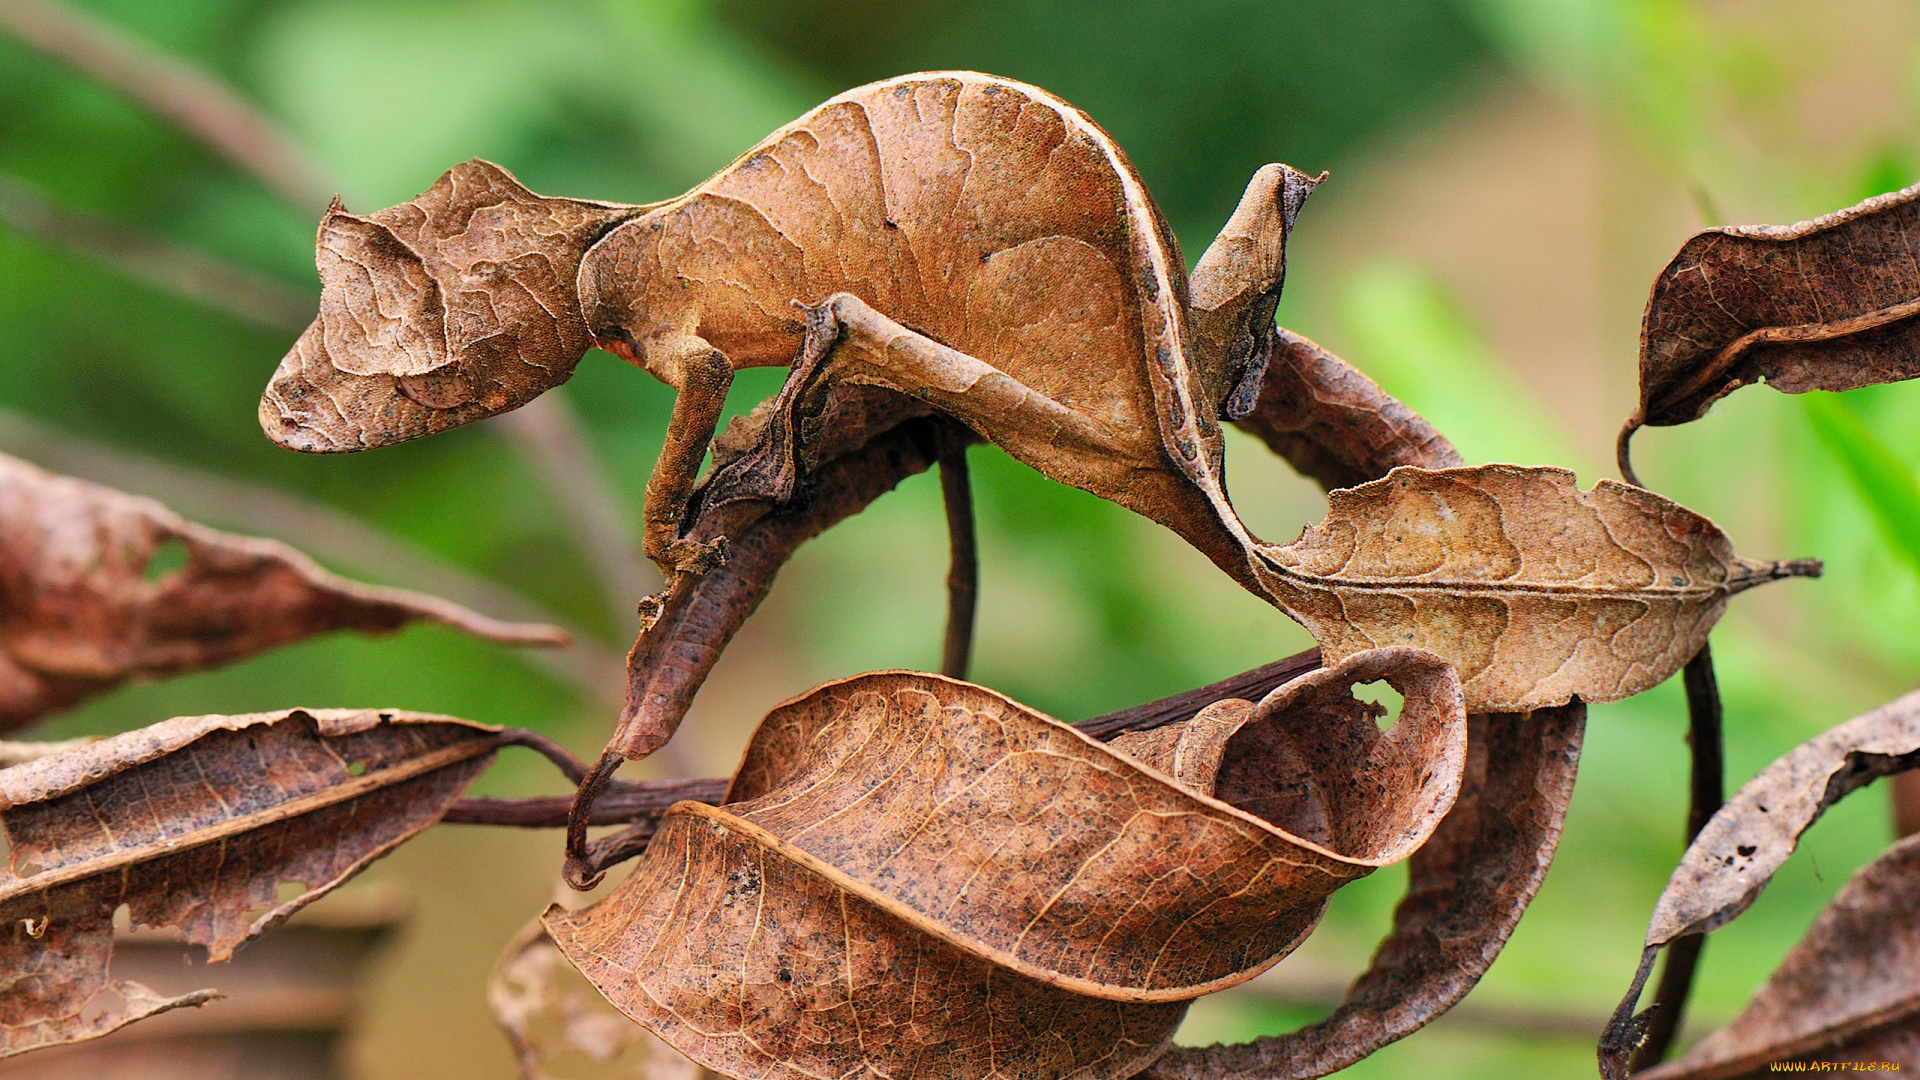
[1508,177]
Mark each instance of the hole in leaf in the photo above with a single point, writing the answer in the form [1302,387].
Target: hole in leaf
[169,558]
[1385,697]
[289,890]
[27,869]
[356,768]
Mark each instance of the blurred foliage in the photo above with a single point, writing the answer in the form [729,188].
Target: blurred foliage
[1085,608]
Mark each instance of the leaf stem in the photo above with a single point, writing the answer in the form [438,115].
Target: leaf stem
[1251,685]
[1708,744]
[619,804]
[185,94]
[963,570]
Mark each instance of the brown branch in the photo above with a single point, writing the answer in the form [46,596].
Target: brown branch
[195,100]
[169,268]
[1709,792]
[963,568]
[618,804]
[1250,685]
[548,433]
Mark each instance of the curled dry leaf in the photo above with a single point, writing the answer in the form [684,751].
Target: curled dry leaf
[1849,991]
[693,621]
[1470,883]
[1827,304]
[1536,591]
[90,602]
[1749,839]
[1467,888]
[796,929]
[194,823]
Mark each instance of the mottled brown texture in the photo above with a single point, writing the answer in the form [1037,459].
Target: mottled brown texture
[1827,304]
[692,622]
[900,830]
[80,613]
[1749,839]
[1467,888]
[1332,423]
[1536,591]
[1849,991]
[193,823]
[1470,883]
[981,247]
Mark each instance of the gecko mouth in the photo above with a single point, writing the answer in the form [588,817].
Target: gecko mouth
[312,406]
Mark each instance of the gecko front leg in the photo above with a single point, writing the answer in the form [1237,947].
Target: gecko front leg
[848,341]
[701,375]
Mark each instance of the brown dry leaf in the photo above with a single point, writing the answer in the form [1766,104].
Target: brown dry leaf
[1749,839]
[89,602]
[1473,879]
[898,832]
[195,823]
[1849,991]
[1334,424]
[1536,591]
[698,614]
[560,1026]
[1826,304]
[1467,888]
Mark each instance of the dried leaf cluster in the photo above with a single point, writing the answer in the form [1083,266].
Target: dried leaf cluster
[910,872]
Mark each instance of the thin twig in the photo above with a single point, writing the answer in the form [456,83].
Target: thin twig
[619,804]
[963,568]
[169,268]
[1251,685]
[548,433]
[185,94]
[1709,793]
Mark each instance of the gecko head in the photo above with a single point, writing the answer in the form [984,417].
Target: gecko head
[457,305]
